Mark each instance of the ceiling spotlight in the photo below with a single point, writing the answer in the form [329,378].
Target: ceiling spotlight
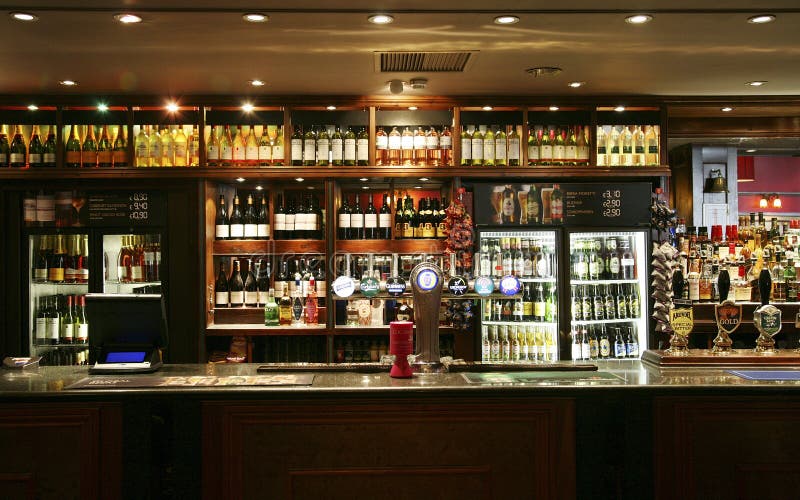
[299,179]
[363,179]
[68,83]
[417,187]
[750,151]
[259,188]
[102,107]
[506,20]
[756,83]
[639,19]
[487,108]
[33,107]
[24,16]
[553,108]
[240,179]
[761,19]
[424,179]
[544,71]
[247,107]
[412,108]
[575,85]
[380,19]
[331,108]
[364,187]
[255,17]
[726,109]
[256,83]
[172,107]
[127,18]
[619,109]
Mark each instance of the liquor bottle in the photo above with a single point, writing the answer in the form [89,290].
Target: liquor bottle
[5,149]
[477,148]
[500,148]
[221,296]
[557,205]
[312,309]
[155,146]
[362,147]
[385,220]
[55,268]
[405,143]
[489,147]
[119,154]
[53,322]
[651,145]
[225,148]
[357,221]
[297,305]
[546,147]
[466,147]
[418,145]
[370,221]
[180,147]
[282,280]
[194,147]
[48,149]
[35,149]
[271,313]
[250,220]
[279,229]
[291,221]
[433,151]
[141,146]
[250,286]
[250,147]
[236,286]
[337,148]
[310,148]
[612,147]
[381,147]
[296,147]
[323,147]
[221,222]
[18,150]
[446,147]
[627,146]
[602,158]
[262,219]
[559,148]
[167,148]
[278,152]
[104,154]
[350,148]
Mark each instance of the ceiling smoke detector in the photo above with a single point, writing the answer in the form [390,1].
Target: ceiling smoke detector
[418,83]
[544,71]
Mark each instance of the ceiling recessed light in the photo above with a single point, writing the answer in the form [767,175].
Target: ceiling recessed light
[544,71]
[259,188]
[240,179]
[364,187]
[619,109]
[127,18]
[487,108]
[726,109]
[255,17]
[24,16]
[363,179]
[750,151]
[331,108]
[412,108]
[424,179]
[172,107]
[756,83]
[256,83]
[575,85]
[417,187]
[68,83]
[761,19]
[506,20]
[102,107]
[380,19]
[33,107]
[639,19]
[247,107]
[553,108]
[299,179]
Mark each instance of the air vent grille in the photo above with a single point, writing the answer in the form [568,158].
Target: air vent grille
[423,62]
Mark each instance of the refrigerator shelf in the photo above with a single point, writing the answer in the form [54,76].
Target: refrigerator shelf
[132,283]
[50,283]
[521,323]
[601,282]
[604,321]
[537,280]
[54,346]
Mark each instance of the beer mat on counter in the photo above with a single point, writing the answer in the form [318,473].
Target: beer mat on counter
[540,378]
[134,382]
[766,374]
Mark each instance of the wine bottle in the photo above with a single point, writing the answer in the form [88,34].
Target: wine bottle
[212,148]
[252,148]
[395,144]
[320,281]
[54,321]
[398,219]
[5,149]
[239,148]
[104,155]
[264,148]
[362,148]
[291,216]
[194,147]
[262,220]
[81,333]
[385,220]
[381,147]
[343,231]
[222,229]
[40,264]
[513,147]
[281,280]
[279,229]
[357,221]
[350,146]
[221,296]
[18,149]
[67,323]
[310,148]
[323,147]
[250,220]
[181,145]
[370,221]
[137,263]
[119,155]
[419,142]
[55,268]
[236,220]
[446,146]
[477,148]
[89,149]
[337,148]
[433,151]
[155,146]
[296,147]
[236,286]
[167,148]
[406,147]
[250,286]
[277,149]
[40,324]
[489,147]
[72,150]
[141,148]
[500,148]
[300,220]
[262,281]
[226,148]
[35,149]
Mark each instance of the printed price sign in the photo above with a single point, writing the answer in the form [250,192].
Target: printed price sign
[140,208]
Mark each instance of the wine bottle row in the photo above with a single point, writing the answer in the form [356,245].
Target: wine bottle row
[518,343]
[561,146]
[300,218]
[419,147]
[61,319]
[61,259]
[605,302]
[139,259]
[520,257]
[244,149]
[490,146]
[251,280]
[325,145]
[628,145]
[39,151]
[90,152]
[166,146]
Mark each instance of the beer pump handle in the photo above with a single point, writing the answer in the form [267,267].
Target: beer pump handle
[764,286]
[677,284]
[724,285]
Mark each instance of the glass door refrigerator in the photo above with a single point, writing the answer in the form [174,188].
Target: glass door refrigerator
[522,326]
[608,293]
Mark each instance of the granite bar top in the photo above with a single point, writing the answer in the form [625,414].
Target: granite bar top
[49,381]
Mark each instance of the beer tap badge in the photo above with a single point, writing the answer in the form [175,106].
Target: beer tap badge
[728,315]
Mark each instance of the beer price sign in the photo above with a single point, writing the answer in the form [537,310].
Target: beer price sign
[140,208]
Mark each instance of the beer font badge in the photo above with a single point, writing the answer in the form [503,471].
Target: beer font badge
[768,320]
[457,285]
[343,286]
[509,285]
[369,286]
[682,321]
[395,286]
[729,316]
[484,286]
[427,280]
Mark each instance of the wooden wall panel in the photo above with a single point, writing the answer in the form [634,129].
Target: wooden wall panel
[376,449]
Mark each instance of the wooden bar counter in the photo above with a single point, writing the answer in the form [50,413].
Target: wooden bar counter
[624,431]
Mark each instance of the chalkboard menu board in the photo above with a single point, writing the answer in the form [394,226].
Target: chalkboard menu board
[126,208]
[617,204]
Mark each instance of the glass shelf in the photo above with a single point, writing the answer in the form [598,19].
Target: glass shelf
[604,321]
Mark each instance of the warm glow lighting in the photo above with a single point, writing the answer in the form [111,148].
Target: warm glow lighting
[363,179]
[331,108]
[412,108]
[127,18]
[255,17]
[68,83]
[33,107]
[299,179]
[259,188]
[240,179]
[756,83]
[102,107]
[172,107]
[380,19]
[761,19]
[487,108]
[553,108]
[506,20]
[776,203]
[726,109]
[247,107]
[750,151]
[424,179]
[619,109]
[417,187]
[575,85]
[24,16]
[256,83]
[639,19]
[364,187]
[763,203]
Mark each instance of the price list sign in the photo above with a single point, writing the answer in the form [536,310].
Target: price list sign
[139,208]
[622,204]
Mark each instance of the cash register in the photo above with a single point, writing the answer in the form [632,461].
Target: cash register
[126,332]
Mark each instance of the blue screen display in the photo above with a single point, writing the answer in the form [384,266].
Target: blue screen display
[125,357]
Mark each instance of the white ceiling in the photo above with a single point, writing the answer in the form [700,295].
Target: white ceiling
[210,50]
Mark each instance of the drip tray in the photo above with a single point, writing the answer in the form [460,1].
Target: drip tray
[452,367]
